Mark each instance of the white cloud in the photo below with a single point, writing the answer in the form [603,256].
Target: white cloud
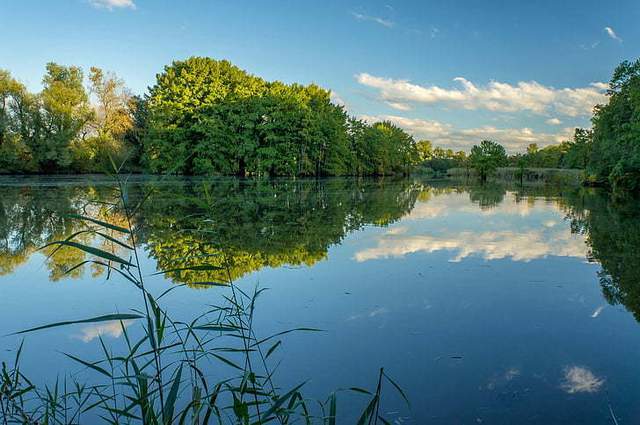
[580,380]
[502,238]
[337,99]
[113,4]
[612,34]
[400,106]
[378,20]
[553,121]
[491,245]
[444,134]
[495,96]
[113,329]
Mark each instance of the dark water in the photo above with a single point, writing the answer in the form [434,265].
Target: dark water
[487,304]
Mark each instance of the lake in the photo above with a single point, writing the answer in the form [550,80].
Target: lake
[486,304]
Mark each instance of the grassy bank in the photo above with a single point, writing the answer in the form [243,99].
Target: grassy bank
[550,176]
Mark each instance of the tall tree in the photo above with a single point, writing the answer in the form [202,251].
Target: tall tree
[66,111]
[487,157]
[107,130]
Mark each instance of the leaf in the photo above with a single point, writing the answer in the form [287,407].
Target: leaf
[360,390]
[221,328]
[89,365]
[280,401]
[91,250]
[332,410]
[404,396]
[22,392]
[170,403]
[114,240]
[101,223]
[368,411]
[210,284]
[229,362]
[286,332]
[106,318]
[272,349]
[384,421]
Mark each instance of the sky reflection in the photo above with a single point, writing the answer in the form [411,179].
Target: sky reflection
[521,231]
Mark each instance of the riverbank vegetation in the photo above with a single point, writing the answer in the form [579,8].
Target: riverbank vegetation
[208,117]
[202,117]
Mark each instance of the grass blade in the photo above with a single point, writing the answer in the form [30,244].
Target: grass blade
[170,403]
[101,223]
[93,251]
[89,365]
[106,318]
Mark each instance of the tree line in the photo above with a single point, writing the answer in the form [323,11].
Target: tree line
[208,117]
[202,117]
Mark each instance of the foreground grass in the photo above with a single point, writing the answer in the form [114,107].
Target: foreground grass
[162,376]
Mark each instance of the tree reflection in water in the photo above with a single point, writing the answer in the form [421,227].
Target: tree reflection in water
[254,224]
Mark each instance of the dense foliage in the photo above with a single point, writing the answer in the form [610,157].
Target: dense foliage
[202,117]
[436,160]
[487,157]
[615,156]
[210,117]
[60,129]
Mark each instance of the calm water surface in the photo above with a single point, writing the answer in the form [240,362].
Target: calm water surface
[487,304]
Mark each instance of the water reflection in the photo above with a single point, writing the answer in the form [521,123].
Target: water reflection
[446,222]
[113,329]
[479,298]
[579,379]
[246,225]
[250,225]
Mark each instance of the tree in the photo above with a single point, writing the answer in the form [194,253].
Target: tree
[112,121]
[134,137]
[615,154]
[425,150]
[487,157]
[210,117]
[578,151]
[14,155]
[65,114]
[113,116]
[203,116]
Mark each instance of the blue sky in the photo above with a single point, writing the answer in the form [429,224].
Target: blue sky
[452,71]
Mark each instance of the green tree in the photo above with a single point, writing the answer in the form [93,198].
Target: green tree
[579,150]
[112,121]
[209,117]
[181,99]
[615,154]
[14,100]
[425,150]
[487,157]
[66,111]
